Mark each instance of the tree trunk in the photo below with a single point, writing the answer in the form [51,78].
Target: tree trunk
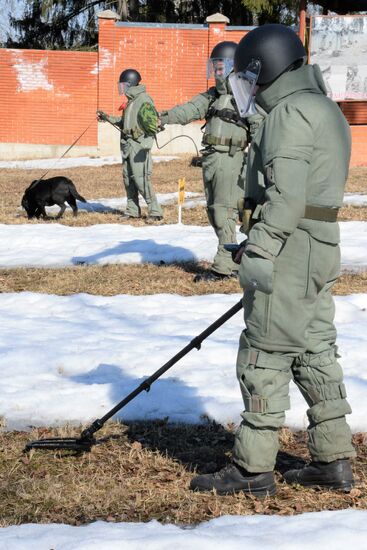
[122,9]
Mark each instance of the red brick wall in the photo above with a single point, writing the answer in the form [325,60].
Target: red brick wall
[171,59]
[47,97]
[50,97]
[359,146]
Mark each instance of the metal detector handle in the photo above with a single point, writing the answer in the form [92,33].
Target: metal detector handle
[145,386]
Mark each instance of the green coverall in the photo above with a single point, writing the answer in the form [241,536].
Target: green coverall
[138,126]
[296,173]
[224,141]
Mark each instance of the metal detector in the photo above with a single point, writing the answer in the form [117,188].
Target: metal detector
[85,441]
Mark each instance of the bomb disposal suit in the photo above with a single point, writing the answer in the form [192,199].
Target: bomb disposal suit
[225,140]
[297,169]
[138,126]
[296,173]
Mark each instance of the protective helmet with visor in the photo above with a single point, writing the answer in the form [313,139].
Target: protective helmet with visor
[128,78]
[220,63]
[261,57]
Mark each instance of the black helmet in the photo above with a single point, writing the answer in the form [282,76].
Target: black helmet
[223,50]
[220,63]
[130,76]
[277,47]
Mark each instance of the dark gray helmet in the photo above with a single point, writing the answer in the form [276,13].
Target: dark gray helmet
[130,76]
[223,50]
[220,63]
[276,47]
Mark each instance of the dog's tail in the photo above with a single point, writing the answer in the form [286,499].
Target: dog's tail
[76,195]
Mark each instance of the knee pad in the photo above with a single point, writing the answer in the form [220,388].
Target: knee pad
[319,377]
[264,380]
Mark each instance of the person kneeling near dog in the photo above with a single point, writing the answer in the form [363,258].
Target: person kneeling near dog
[139,124]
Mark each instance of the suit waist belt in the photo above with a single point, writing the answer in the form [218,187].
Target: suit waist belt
[208,139]
[321,213]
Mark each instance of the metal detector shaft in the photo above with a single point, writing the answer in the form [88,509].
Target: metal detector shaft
[85,441]
[156,141]
[145,386]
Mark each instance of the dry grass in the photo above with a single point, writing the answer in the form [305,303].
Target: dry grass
[106,182]
[95,183]
[142,471]
[109,280]
[357,181]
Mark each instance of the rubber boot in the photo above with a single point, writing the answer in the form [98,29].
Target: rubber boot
[331,475]
[233,479]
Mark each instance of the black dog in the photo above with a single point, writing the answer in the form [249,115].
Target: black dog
[48,192]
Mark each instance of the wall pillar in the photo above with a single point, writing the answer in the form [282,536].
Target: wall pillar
[108,73]
[217,25]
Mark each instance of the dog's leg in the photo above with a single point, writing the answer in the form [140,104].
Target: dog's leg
[41,211]
[72,202]
[62,210]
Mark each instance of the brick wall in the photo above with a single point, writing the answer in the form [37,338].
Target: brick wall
[359,146]
[50,97]
[170,58]
[47,97]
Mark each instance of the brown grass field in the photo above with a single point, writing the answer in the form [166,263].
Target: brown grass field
[141,471]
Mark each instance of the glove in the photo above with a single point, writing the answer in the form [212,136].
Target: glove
[256,272]
[236,251]
[162,119]
[102,116]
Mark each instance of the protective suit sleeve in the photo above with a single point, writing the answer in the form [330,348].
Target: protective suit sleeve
[286,152]
[195,109]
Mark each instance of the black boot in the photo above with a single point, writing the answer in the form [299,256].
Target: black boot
[125,216]
[331,475]
[233,479]
[152,218]
[209,276]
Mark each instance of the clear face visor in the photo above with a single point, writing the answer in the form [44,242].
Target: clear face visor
[244,87]
[123,87]
[218,67]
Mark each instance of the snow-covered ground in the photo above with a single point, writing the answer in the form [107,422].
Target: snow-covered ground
[72,358]
[70,162]
[119,203]
[56,245]
[76,356]
[355,199]
[311,531]
[195,199]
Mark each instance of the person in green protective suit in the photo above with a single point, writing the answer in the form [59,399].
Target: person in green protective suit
[139,124]
[296,173]
[225,140]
